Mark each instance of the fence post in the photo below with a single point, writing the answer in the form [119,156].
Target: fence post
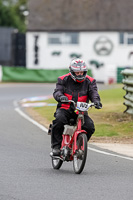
[128,87]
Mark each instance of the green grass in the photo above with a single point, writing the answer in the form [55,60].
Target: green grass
[105,130]
[109,121]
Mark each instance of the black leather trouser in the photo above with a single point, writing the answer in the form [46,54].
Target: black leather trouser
[62,117]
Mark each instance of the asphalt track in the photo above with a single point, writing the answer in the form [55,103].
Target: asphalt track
[25,165]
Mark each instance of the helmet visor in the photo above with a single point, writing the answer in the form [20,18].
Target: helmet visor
[79,67]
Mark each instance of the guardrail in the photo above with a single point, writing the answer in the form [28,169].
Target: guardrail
[128,87]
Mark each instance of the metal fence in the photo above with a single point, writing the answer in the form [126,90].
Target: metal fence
[128,87]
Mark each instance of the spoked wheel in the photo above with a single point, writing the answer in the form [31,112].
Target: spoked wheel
[81,154]
[56,163]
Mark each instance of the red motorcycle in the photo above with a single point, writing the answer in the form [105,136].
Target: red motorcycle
[74,142]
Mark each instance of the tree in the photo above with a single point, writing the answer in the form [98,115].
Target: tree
[12,14]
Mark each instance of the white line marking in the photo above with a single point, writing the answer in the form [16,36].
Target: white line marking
[109,154]
[46,130]
[31,120]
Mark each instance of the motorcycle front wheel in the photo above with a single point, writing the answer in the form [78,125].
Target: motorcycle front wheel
[80,156]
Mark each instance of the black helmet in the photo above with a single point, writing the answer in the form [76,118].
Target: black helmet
[78,65]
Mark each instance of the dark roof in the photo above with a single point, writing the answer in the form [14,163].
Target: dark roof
[80,15]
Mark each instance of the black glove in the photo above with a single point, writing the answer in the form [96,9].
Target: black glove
[63,99]
[98,104]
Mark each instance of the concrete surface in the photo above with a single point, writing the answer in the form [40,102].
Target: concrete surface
[125,149]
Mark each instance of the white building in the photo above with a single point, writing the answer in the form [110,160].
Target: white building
[100,32]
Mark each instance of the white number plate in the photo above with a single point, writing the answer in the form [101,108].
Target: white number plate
[82,106]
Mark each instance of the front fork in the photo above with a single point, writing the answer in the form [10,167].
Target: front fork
[75,147]
[79,130]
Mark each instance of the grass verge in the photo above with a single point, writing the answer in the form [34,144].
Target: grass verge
[110,121]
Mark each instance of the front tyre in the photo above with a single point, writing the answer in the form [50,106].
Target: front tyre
[56,163]
[81,154]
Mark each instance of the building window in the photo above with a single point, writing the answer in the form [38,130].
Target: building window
[63,38]
[126,38]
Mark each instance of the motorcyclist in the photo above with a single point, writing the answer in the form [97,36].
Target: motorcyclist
[76,86]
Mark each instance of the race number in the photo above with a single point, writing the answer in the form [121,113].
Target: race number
[82,106]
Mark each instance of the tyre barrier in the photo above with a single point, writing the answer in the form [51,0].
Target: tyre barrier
[128,87]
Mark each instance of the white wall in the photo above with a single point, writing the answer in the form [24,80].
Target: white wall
[117,58]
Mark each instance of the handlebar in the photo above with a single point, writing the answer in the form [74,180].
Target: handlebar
[72,102]
[75,104]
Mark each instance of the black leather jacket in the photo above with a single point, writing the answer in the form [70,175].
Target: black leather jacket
[83,92]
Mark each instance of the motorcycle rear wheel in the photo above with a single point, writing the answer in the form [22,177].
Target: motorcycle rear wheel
[56,163]
[80,156]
